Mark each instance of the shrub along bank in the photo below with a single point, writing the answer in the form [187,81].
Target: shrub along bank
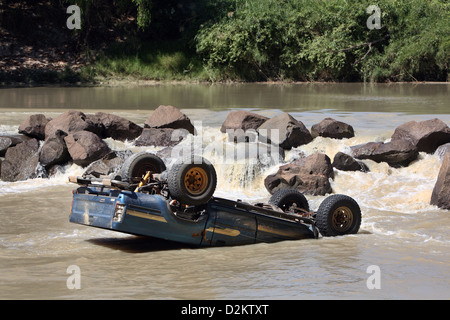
[328,40]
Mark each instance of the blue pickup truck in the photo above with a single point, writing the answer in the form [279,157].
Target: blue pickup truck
[178,204]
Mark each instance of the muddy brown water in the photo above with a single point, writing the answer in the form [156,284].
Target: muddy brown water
[401,233]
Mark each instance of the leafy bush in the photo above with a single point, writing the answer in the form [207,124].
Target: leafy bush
[328,40]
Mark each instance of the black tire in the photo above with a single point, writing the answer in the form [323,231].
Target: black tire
[286,198]
[338,215]
[192,182]
[137,165]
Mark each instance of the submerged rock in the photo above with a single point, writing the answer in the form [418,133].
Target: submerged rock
[21,161]
[239,135]
[109,165]
[331,128]
[346,162]
[396,153]
[308,175]
[166,137]
[285,131]
[427,135]
[441,192]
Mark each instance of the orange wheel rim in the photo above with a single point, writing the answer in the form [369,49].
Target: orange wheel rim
[342,219]
[196,180]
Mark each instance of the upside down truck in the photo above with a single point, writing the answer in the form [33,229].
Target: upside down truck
[178,204]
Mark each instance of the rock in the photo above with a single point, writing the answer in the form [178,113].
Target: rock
[169,117]
[309,175]
[442,150]
[8,141]
[239,135]
[54,150]
[109,165]
[331,128]
[346,162]
[441,192]
[285,131]
[70,122]
[398,153]
[262,154]
[242,120]
[85,147]
[115,127]
[161,137]
[427,135]
[165,153]
[34,126]
[21,161]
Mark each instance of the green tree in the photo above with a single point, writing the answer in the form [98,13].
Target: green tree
[328,40]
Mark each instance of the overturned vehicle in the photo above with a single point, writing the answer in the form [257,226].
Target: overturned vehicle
[178,204]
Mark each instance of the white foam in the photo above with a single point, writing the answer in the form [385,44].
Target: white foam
[60,178]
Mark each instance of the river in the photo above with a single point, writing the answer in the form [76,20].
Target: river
[402,235]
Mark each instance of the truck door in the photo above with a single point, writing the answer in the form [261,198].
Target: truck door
[232,226]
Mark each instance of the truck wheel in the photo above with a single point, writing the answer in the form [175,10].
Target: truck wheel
[192,182]
[285,199]
[338,215]
[138,164]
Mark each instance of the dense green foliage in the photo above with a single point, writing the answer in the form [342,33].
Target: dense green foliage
[238,40]
[328,40]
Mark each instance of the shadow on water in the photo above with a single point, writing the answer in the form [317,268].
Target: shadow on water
[136,244]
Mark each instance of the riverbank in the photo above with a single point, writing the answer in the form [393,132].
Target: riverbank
[225,41]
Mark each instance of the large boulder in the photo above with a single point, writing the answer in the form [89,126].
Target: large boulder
[331,128]
[285,131]
[70,122]
[34,126]
[441,192]
[8,141]
[54,150]
[85,147]
[242,120]
[398,153]
[21,161]
[346,162]
[112,126]
[169,117]
[161,137]
[427,135]
[109,165]
[310,175]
